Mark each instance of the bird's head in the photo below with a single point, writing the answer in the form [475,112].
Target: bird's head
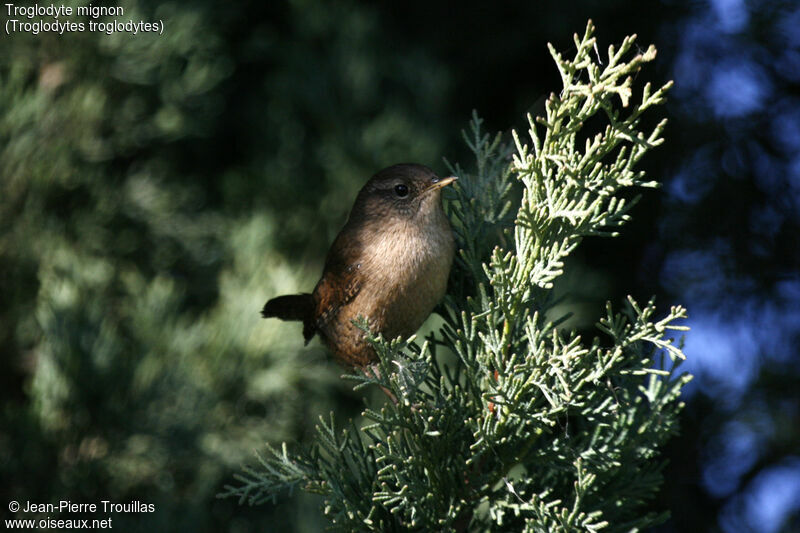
[405,192]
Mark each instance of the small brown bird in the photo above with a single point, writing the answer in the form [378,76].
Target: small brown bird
[389,264]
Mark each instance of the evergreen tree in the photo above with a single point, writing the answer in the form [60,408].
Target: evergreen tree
[506,419]
[148,195]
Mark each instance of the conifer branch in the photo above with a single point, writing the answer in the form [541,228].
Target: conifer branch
[529,426]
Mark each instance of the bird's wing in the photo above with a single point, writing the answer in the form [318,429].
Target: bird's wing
[336,289]
[340,283]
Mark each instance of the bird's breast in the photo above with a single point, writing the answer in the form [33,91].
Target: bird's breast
[406,270]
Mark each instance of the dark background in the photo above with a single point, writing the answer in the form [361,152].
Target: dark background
[156,190]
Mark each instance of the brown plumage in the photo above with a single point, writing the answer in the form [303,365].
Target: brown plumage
[389,264]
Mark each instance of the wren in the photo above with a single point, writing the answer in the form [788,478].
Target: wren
[388,264]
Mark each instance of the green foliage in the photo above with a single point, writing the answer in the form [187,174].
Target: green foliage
[529,427]
[149,192]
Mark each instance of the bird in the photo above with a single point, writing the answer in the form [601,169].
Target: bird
[389,264]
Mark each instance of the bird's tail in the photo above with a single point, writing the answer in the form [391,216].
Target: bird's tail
[293,307]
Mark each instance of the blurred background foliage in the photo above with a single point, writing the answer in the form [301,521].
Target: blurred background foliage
[156,190]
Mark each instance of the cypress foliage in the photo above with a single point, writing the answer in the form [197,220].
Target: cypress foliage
[506,419]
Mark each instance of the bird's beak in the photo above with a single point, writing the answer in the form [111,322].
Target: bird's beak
[443,182]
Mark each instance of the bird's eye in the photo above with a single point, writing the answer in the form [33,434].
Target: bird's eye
[401,190]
